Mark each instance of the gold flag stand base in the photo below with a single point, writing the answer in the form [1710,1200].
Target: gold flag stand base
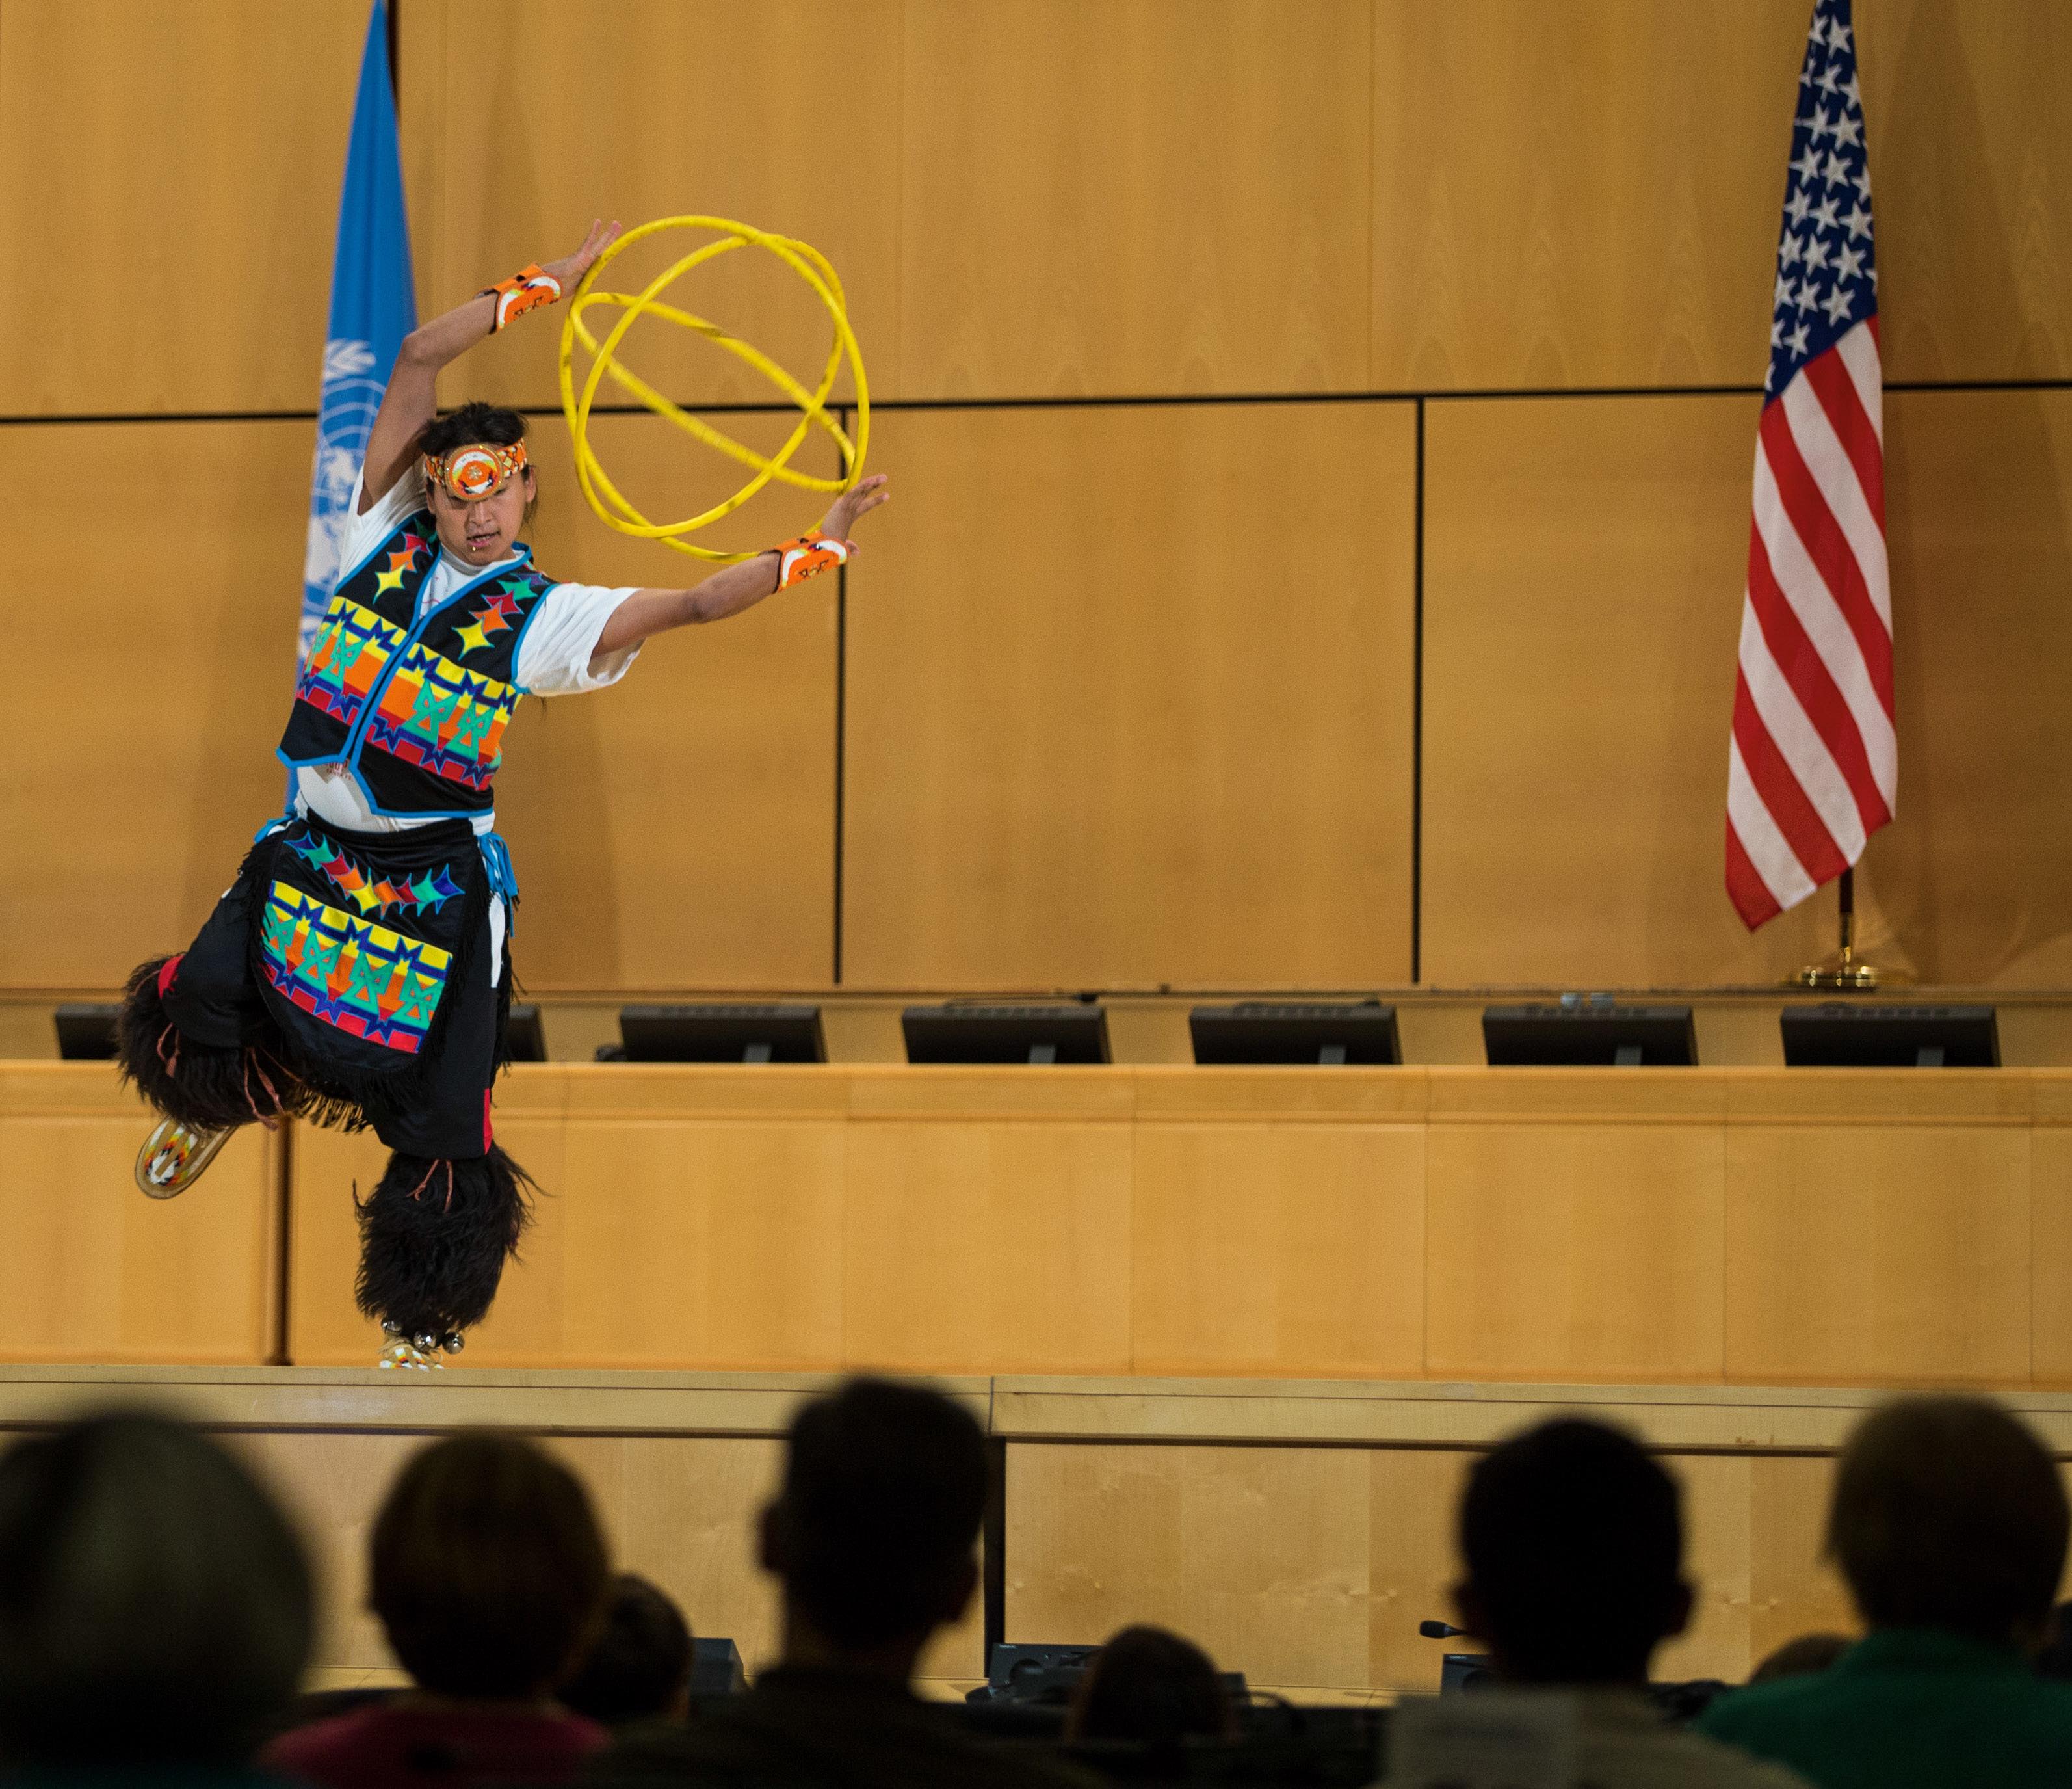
[1847,969]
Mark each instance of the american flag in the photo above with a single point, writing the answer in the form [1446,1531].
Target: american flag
[1813,768]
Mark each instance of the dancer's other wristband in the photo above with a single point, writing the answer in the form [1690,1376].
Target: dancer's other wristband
[799,560]
[524,289]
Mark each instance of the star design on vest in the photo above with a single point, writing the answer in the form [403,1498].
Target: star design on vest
[403,560]
[496,619]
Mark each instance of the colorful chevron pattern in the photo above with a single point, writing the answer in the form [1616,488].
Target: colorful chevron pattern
[361,977]
[427,892]
[353,648]
[444,718]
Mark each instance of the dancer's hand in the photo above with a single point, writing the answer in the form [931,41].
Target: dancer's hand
[570,269]
[858,500]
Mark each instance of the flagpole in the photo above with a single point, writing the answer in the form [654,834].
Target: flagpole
[1847,970]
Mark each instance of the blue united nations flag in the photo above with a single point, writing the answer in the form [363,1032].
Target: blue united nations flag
[372,308]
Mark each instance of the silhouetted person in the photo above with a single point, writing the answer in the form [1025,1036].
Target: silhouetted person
[155,1607]
[1150,1688]
[638,1667]
[872,1538]
[1806,1656]
[1949,1524]
[1573,1538]
[487,1570]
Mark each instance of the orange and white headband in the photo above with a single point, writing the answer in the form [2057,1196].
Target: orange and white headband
[480,471]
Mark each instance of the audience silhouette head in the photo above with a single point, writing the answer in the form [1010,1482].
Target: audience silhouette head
[873,1533]
[1949,1514]
[639,1663]
[1150,1687]
[1573,1541]
[154,1604]
[487,1568]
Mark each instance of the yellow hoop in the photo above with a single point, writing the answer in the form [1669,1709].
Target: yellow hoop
[612,507]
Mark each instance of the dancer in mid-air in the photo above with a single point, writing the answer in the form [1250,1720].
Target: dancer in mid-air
[358,971]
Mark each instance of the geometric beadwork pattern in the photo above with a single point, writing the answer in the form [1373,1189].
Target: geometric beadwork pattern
[350,973]
[500,609]
[431,889]
[353,648]
[444,718]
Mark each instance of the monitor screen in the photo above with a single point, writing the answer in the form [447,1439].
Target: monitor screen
[1030,1033]
[1851,1035]
[724,1032]
[85,1033]
[1589,1033]
[1315,1032]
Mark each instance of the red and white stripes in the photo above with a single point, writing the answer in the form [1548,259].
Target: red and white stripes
[1813,768]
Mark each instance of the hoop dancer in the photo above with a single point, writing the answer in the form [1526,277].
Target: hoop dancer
[358,971]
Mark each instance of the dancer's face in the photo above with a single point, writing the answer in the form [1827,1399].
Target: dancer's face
[481,531]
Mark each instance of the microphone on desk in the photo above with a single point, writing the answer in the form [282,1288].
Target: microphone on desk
[1439,1630]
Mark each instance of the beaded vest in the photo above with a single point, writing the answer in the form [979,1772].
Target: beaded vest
[415,705]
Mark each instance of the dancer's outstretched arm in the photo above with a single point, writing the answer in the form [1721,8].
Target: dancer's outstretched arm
[732,588]
[411,399]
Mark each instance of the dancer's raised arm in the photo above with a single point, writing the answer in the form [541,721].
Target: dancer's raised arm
[733,588]
[411,399]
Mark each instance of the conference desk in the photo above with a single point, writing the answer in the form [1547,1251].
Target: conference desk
[1648,1226]
[91,1269]
[1641,1226]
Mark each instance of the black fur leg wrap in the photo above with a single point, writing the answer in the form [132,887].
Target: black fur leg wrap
[204,1087]
[433,1237]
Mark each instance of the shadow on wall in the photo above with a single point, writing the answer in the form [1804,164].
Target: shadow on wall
[1977,497]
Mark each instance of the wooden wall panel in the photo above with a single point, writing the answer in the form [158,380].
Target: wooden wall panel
[659,108]
[1639,1226]
[1588,194]
[1310,1567]
[94,1271]
[1972,186]
[965,1244]
[155,637]
[678,829]
[1900,1254]
[2051,1302]
[1258,1245]
[1106,1536]
[1127,197]
[1582,599]
[1574,1251]
[1130,728]
[1974,879]
[173,172]
[1582,195]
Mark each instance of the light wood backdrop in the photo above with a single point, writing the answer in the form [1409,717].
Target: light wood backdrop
[1118,695]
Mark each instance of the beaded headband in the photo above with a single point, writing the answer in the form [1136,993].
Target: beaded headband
[477,471]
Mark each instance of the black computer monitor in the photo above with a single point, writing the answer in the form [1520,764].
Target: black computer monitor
[723,1032]
[1327,1032]
[524,1037]
[85,1033]
[1026,1033]
[1589,1032]
[1853,1034]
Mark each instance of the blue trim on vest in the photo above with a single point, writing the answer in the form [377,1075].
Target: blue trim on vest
[524,627]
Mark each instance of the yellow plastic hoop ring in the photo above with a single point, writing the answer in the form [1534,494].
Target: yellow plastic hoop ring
[612,507]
